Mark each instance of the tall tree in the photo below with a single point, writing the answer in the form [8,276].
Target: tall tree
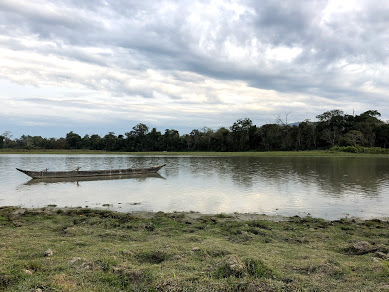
[308,132]
[222,140]
[110,141]
[271,136]
[7,136]
[368,123]
[136,139]
[329,115]
[240,131]
[96,142]
[154,140]
[383,135]
[73,141]
[172,140]
[354,138]
[331,125]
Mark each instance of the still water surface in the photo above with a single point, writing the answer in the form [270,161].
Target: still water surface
[326,187]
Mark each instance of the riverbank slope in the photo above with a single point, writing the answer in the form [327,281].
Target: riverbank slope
[79,249]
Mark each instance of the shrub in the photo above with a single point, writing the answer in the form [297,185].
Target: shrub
[360,149]
[258,269]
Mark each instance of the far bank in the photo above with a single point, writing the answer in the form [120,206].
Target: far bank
[307,153]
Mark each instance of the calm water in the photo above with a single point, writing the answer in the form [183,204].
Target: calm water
[327,187]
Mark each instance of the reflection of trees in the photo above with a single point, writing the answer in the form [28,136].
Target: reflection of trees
[336,175]
[89,162]
[333,175]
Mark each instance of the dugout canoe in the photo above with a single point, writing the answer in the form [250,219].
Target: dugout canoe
[77,180]
[90,173]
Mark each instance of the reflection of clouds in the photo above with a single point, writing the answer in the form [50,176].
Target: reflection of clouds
[323,187]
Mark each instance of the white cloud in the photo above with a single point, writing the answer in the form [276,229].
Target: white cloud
[283,54]
[195,63]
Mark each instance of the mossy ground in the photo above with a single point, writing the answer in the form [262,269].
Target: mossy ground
[95,250]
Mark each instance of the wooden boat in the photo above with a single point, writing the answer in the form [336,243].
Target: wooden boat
[77,180]
[90,173]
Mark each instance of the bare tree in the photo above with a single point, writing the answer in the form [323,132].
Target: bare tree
[282,122]
[330,136]
[7,137]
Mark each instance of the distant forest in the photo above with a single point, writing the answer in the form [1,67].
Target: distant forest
[332,128]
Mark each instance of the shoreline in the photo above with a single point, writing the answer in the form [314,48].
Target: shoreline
[305,153]
[80,249]
[235,216]
[192,215]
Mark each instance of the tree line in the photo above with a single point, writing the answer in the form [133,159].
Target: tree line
[332,128]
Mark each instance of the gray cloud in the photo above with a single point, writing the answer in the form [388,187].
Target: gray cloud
[336,51]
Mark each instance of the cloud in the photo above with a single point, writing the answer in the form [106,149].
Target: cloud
[193,62]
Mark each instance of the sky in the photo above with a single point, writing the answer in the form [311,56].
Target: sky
[98,66]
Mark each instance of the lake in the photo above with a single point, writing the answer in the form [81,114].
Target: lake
[326,187]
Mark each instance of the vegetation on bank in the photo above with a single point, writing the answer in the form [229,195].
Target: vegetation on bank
[332,152]
[95,250]
[360,149]
[333,128]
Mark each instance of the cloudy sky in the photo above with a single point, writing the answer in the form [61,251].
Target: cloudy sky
[100,66]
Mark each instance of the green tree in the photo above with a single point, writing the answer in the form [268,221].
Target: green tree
[73,141]
[270,137]
[329,115]
[240,131]
[96,142]
[370,115]
[85,142]
[331,126]
[31,142]
[206,138]
[354,138]
[222,140]
[140,130]
[368,123]
[172,141]
[308,132]
[383,135]
[51,143]
[331,136]
[120,143]
[109,141]
[60,143]
[194,139]
[136,139]
[154,140]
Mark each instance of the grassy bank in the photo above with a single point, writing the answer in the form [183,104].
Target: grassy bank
[90,250]
[312,153]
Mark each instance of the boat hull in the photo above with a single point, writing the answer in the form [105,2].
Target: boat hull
[141,177]
[90,173]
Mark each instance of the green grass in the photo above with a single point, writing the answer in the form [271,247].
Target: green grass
[106,251]
[310,153]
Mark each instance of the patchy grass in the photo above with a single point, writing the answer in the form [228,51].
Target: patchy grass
[98,250]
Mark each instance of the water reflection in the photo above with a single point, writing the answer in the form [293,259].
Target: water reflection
[328,187]
[138,177]
[335,176]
